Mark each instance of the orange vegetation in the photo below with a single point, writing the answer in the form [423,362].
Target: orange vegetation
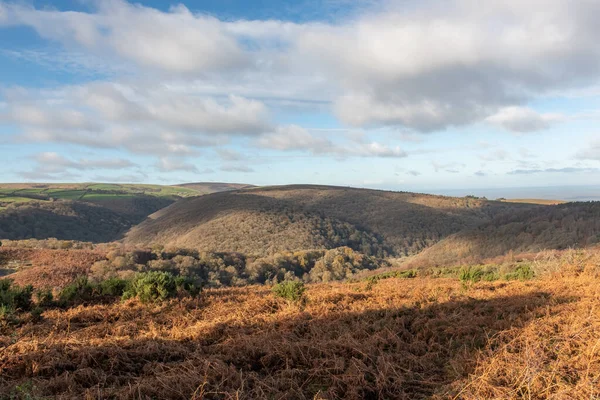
[402,339]
[48,267]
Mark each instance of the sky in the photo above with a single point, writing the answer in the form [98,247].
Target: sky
[402,95]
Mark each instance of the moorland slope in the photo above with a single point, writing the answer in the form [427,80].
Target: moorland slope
[283,218]
[561,226]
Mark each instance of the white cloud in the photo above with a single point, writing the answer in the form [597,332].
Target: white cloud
[296,138]
[153,119]
[54,162]
[523,119]
[167,164]
[176,41]
[230,155]
[426,67]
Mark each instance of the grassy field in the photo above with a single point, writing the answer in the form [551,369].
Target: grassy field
[417,338]
[90,192]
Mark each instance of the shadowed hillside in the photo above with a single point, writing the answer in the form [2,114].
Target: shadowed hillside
[69,220]
[96,212]
[552,227]
[273,219]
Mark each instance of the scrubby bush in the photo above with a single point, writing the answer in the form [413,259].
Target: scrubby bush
[522,273]
[44,298]
[157,286]
[292,291]
[113,287]
[80,290]
[13,297]
[471,274]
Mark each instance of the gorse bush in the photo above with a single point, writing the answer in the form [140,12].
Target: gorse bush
[13,297]
[113,287]
[44,298]
[157,286]
[522,273]
[292,291]
[80,290]
[471,274]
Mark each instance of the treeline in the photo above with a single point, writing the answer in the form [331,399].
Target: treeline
[236,269]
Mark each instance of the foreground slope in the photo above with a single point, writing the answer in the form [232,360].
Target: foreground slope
[569,225]
[280,218]
[395,339]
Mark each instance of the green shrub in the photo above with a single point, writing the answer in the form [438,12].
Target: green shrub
[522,273]
[80,290]
[14,297]
[113,287]
[472,274]
[292,291]
[44,298]
[157,286]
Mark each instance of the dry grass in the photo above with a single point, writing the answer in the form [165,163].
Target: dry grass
[49,268]
[403,339]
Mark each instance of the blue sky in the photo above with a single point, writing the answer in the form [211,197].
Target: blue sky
[386,94]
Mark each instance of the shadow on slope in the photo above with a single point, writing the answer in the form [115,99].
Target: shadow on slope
[402,353]
[558,227]
[76,220]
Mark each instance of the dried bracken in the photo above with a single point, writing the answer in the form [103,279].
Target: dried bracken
[398,338]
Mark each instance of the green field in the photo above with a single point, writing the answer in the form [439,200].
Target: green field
[14,199]
[88,192]
[94,197]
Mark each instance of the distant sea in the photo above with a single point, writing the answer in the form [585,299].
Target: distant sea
[567,193]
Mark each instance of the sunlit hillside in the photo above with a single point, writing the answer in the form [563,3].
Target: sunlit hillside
[288,218]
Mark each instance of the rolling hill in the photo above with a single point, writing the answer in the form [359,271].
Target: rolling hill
[96,212]
[267,220]
[569,225]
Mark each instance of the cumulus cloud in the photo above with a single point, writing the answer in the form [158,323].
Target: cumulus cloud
[522,119]
[54,162]
[176,40]
[167,164]
[426,67]
[151,119]
[293,137]
[51,166]
[230,155]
